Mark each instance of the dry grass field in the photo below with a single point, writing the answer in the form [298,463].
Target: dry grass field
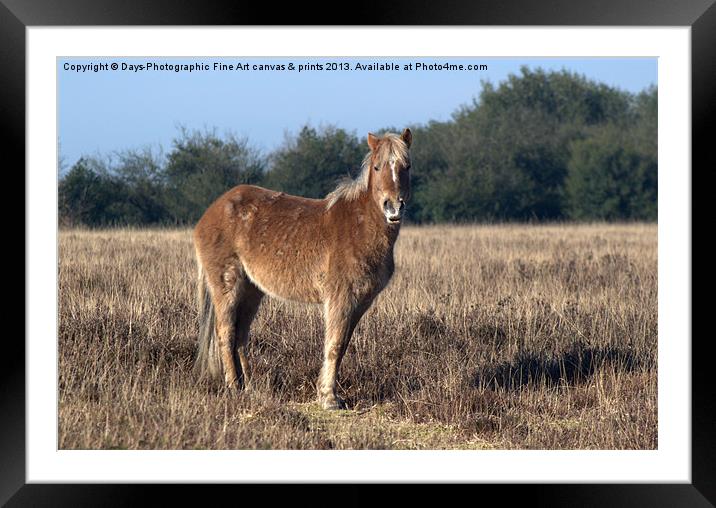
[509,336]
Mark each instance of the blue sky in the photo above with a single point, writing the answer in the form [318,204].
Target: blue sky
[107,111]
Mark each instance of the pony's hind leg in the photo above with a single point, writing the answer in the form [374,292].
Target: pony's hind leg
[224,292]
[249,299]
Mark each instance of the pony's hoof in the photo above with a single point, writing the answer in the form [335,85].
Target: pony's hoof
[333,404]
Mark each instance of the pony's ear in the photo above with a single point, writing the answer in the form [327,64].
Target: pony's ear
[372,141]
[407,137]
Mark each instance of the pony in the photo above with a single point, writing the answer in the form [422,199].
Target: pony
[336,251]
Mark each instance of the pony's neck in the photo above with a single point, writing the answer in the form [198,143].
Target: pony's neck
[364,218]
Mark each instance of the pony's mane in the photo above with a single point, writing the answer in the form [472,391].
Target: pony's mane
[391,146]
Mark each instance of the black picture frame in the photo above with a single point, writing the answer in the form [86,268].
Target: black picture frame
[16,15]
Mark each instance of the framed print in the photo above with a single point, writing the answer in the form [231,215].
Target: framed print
[537,323]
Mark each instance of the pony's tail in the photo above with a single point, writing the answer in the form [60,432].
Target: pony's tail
[208,361]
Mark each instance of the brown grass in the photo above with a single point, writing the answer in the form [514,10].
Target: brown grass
[487,337]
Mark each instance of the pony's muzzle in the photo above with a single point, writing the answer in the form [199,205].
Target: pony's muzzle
[393,211]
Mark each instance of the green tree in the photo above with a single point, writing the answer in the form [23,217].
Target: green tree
[610,178]
[86,193]
[506,155]
[311,163]
[431,155]
[201,166]
[144,191]
[644,124]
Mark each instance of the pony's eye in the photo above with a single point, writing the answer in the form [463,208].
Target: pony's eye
[376,168]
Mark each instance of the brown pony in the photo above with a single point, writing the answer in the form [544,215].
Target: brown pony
[336,251]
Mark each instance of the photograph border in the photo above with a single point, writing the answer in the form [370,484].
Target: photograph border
[700,16]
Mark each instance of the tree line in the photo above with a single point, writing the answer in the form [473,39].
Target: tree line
[537,146]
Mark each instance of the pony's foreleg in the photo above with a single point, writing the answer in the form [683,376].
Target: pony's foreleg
[339,327]
[355,317]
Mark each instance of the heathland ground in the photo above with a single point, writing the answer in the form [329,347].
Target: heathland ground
[488,336]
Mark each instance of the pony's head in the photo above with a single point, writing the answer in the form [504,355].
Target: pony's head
[389,168]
